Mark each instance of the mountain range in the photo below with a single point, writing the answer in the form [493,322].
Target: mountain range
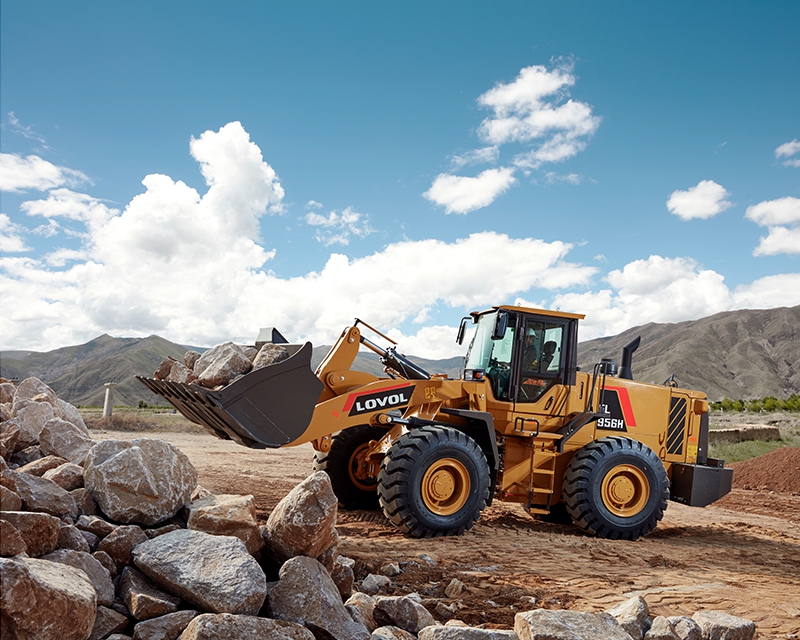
[736,354]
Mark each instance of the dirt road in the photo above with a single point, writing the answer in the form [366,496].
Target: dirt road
[740,555]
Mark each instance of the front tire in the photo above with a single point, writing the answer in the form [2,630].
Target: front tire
[344,462]
[434,482]
[616,488]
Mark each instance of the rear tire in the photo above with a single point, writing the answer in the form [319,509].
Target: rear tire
[434,482]
[616,488]
[342,461]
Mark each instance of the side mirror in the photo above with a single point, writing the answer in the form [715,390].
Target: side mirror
[500,325]
[462,328]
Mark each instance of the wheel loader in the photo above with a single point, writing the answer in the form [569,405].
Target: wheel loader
[522,424]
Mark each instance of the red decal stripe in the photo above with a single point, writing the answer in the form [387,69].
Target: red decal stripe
[354,396]
[625,403]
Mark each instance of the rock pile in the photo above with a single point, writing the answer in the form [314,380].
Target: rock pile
[115,540]
[220,365]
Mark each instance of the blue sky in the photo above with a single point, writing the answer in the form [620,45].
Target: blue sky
[306,163]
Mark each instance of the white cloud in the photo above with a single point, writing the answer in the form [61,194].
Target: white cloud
[16,126]
[313,204]
[476,156]
[63,203]
[531,109]
[555,178]
[339,226]
[782,217]
[702,201]
[11,240]
[788,149]
[18,174]
[462,194]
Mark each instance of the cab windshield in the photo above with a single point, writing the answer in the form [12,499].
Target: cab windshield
[493,357]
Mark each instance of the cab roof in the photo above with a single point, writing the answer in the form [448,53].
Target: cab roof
[533,311]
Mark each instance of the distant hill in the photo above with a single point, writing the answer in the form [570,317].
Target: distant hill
[736,354]
[739,354]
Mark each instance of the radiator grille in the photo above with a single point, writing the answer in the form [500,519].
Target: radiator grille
[677,422]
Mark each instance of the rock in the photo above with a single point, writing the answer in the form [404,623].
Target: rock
[9,433]
[119,543]
[30,388]
[45,600]
[227,515]
[686,628]
[91,539]
[190,358]
[97,573]
[215,573]
[38,530]
[179,372]
[166,627]
[62,438]
[106,622]
[390,569]
[343,578]
[392,633]
[360,606]
[9,500]
[26,455]
[306,594]
[403,612]
[141,481]
[69,537]
[103,558]
[633,615]
[567,625]
[304,522]
[221,364]
[7,392]
[84,502]
[41,466]
[160,531]
[445,611]
[30,418]
[95,525]
[41,494]
[68,412]
[661,629]
[373,584]
[118,636]
[234,627]
[454,589]
[11,542]
[269,354]
[68,476]
[717,625]
[466,633]
[143,599]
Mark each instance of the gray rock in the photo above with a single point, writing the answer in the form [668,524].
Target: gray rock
[61,438]
[143,481]
[567,625]
[360,606]
[120,542]
[390,569]
[391,633]
[237,627]
[190,358]
[160,531]
[98,575]
[686,628]
[11,542]
[68,476]
[215,573]
[403,612]
[68,412]
[221,364]
[143,599]
[45,600]
[31,388]
[304,522]
[717,625]
[30,417]
[374,583]
[41,466]
[661,629]
[269,354]
[306,594]
[179,372]
[91,539]
[9,434]
[84,502]
[466,633]
[9,500]
[166,627]
[633,615]
[7,392]
[38,530]
[106,622]
[26,455]
[343,578]
[69,537]
[41,494]
[96,525]
[227,515]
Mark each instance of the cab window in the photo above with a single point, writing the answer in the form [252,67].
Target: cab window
[541,356]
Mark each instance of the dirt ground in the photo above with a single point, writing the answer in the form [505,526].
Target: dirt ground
[740,555]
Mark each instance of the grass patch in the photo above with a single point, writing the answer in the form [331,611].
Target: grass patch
[139,420]
[738,451]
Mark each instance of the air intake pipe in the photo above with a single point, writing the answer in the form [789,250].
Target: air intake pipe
[627,355]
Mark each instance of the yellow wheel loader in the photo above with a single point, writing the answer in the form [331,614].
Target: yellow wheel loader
[523,424]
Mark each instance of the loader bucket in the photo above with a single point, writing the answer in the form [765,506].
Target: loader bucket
[269,407]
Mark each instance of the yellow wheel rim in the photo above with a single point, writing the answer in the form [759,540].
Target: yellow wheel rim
[445,486]
[362,471]
[625,490]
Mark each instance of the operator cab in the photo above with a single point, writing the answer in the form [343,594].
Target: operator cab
[522,352]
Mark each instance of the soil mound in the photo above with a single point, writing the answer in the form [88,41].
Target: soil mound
[778,471]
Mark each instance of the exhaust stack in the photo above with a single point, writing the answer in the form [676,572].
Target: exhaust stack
[627,355]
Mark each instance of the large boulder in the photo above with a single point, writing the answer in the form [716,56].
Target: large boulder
[221,364]
[143,481]
[306,594]
[31,388]
[269,354]
[61,438]
[214,573]
[41,466]
[41,494]
[30,417]
[304,522]
[717,625]
[227,515]
[633,615]
[38,530]
[567,625]
[45,600]
[68,412]
[7,392]
[225,626]
[98,575]
[465,633]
